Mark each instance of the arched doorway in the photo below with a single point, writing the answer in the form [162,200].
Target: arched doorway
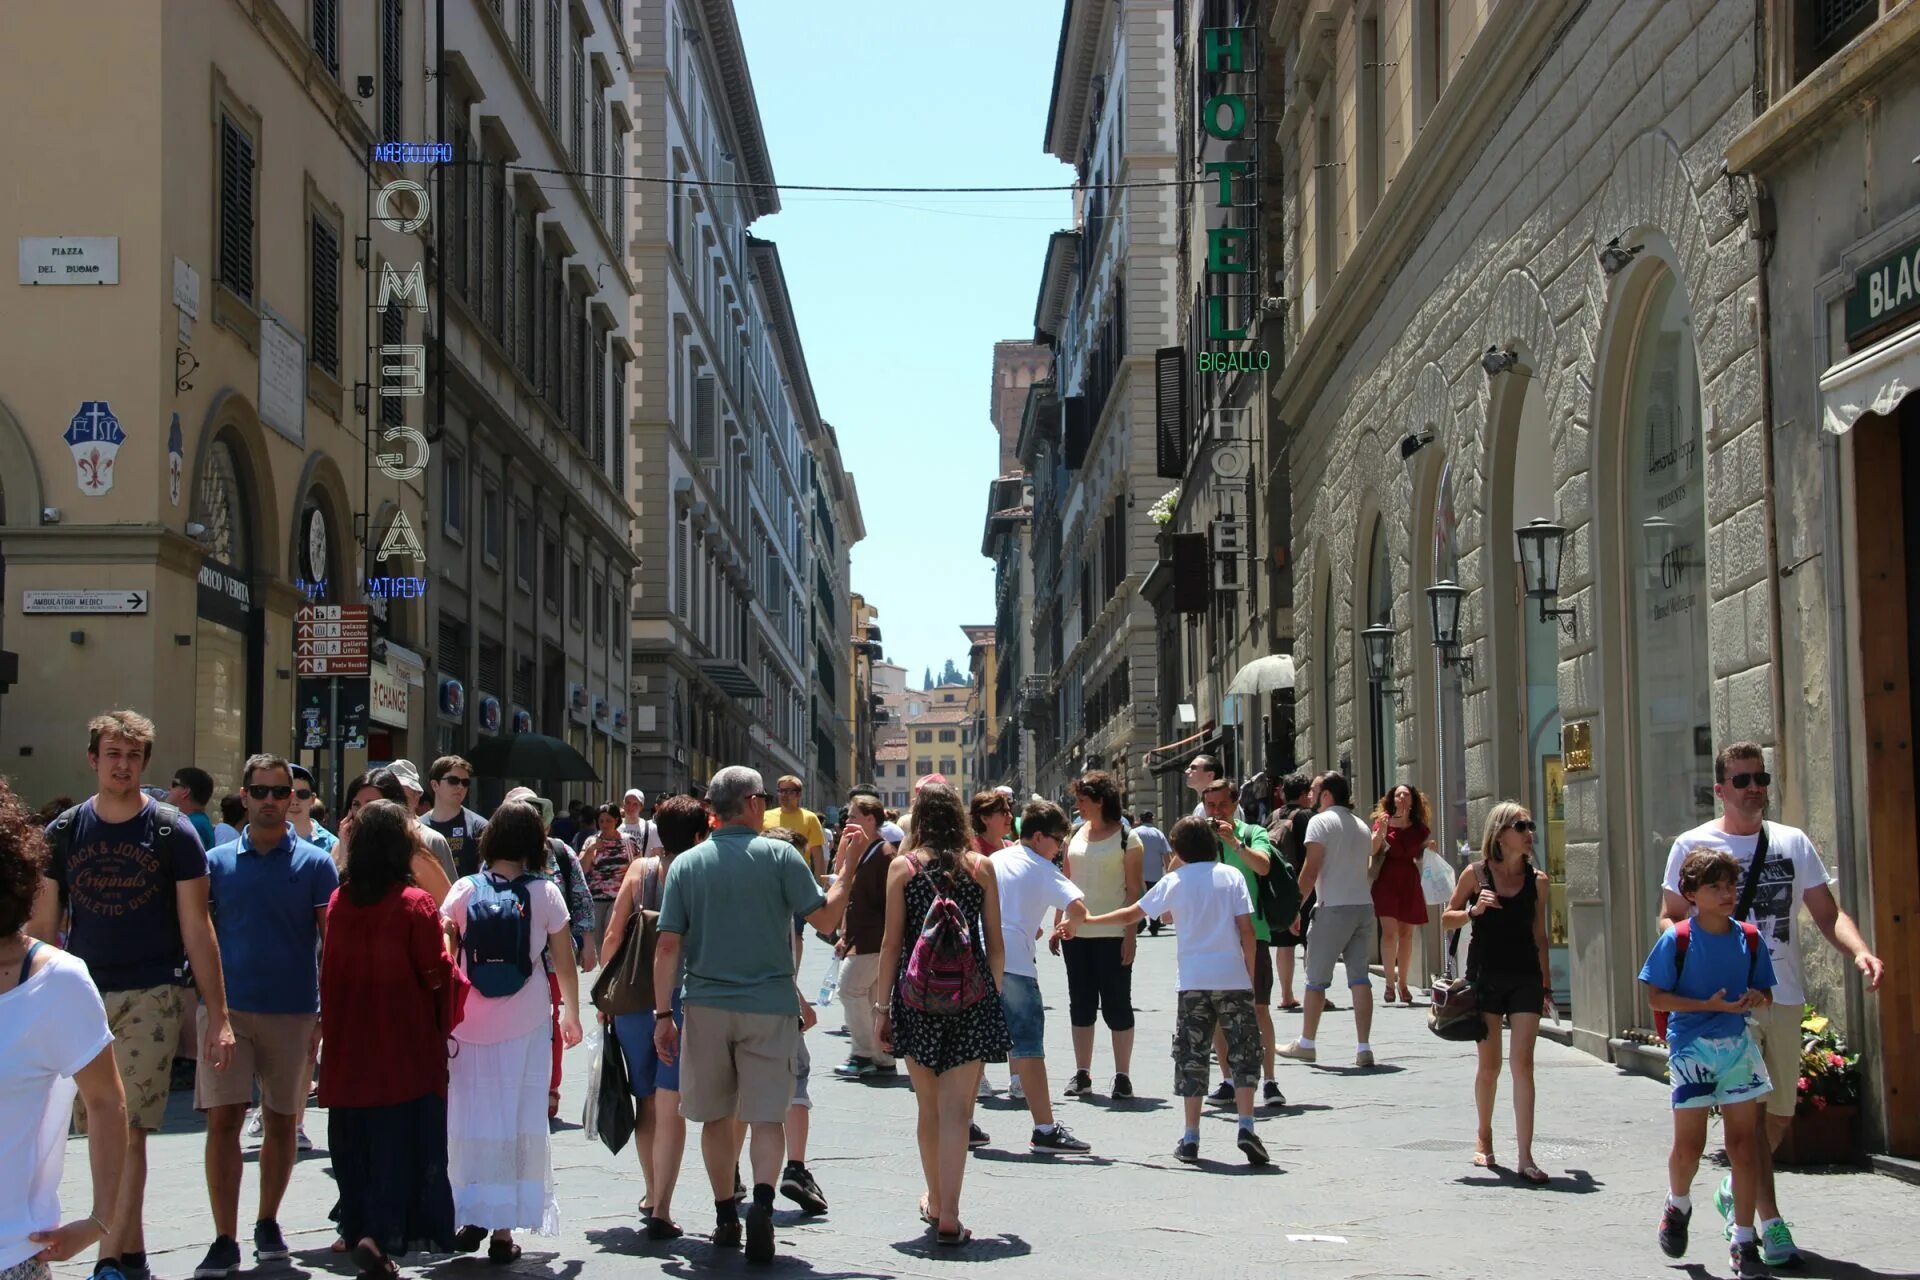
[1652,460]
[227,632]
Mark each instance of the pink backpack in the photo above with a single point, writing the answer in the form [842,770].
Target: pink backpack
[943,974]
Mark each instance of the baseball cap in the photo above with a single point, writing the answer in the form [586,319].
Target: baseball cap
[406,775]
[301,773]
[931,780]
[891,833]
[635,793]
[1005,790]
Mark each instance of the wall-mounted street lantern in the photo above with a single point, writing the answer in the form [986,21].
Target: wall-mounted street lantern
[1614,259]
[1444,599]
[1498,360]
[1542,547]
[1378,639]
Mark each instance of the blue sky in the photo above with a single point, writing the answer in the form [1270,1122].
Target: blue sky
[900,298]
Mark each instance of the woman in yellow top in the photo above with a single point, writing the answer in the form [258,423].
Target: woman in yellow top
[1107,861]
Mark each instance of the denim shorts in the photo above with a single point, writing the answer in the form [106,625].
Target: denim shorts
[1026,1016]
[645,1071]
[1717,1071]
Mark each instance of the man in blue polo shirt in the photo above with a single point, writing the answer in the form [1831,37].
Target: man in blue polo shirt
[270,891]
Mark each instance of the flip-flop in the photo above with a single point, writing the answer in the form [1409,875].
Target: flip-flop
[1292,1006]
[1534,1174]
[468,1238]
[663,1229]
[500,1256]
[954,1238]
[1485,1160]
[927,1215]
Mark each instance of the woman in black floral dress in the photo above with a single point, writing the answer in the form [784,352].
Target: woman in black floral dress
[944,1051]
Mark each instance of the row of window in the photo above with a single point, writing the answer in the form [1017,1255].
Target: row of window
[923,765]
[926,735]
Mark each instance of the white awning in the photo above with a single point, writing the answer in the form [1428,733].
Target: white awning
[1872,381]
[1263,675]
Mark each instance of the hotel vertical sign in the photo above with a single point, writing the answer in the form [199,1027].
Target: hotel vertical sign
[1228,115]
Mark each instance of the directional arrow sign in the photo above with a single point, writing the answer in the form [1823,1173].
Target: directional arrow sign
[83,601]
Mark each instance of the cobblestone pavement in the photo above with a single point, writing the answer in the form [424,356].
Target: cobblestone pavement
[1371,1177]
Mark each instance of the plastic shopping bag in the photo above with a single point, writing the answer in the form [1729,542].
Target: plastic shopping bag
[1436,878]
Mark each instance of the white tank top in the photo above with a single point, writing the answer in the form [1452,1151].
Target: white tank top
[1099,867]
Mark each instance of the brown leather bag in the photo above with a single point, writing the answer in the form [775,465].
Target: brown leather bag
[625,984]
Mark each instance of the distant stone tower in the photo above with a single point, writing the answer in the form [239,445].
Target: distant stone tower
[1016,366]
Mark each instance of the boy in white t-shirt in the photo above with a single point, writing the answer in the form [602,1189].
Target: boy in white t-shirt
[1214,947]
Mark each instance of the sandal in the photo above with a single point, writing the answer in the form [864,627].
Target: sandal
[958,1236]
[1534,1174]
[373,1264]
[1485,1160]
[502,1252]
[663,1229]
[1291,1006]
[468,1238]
[1406,996]
[926,1213]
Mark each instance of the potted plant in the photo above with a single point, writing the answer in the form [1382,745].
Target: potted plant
[1826,1120]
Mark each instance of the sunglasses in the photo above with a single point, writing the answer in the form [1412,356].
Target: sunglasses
[260,791]
[301,793]
[458,781]
[1523,825]
[1740,781]
[764,796]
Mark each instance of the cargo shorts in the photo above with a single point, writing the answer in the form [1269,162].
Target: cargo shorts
[1198,1013]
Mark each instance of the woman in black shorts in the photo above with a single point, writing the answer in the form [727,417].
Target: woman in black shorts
[1506,898]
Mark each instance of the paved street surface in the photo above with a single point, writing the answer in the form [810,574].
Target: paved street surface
[1371,1172]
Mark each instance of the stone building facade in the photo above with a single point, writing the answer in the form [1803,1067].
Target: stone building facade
[1520,287]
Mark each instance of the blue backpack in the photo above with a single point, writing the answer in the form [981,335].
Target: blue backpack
[498,939]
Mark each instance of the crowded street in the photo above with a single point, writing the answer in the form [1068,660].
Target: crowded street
[1371,1177]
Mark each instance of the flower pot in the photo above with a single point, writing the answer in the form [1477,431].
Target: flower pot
[1827,1136]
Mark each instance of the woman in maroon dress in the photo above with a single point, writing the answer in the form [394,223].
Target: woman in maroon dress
[1400,835]
[383,1078]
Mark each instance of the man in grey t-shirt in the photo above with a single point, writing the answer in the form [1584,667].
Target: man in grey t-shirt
[1339,846]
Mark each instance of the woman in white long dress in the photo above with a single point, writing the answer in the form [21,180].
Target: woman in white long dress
[498,1157]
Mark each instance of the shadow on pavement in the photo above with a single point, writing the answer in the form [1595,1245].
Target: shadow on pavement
[545,1263]
[1817,1267]
[1575,1182]
[1028,1157]
[1379,1069]
[979,1249]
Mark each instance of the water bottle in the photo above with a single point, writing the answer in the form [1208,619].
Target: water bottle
[830,983]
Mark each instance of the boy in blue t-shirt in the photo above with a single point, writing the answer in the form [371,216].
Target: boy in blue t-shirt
[1707,987]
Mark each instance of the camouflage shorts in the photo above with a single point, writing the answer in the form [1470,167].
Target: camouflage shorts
[1199,1013]
[146,1030]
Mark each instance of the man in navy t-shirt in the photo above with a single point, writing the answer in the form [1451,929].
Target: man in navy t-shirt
[270,895]
[134,888]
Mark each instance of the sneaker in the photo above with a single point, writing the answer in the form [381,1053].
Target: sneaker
[300,1139]
[1292,1049]
[1364,1058]
[797,1185]
[726,1235]
[1673,1230]
[1222,1092]
[760,1233]
[976,1136]
[1270,1094]
[1122,1087]
[268,1244]
[1776,1245]
[1186,1152]
[222,1260]
[984,1090]
[1080,1085]
[1745,1260]
[129,1270]
[1060,1142]
[108,1270]
[856,1069]
[1254,1149]
[1015,1091]
[256,1129]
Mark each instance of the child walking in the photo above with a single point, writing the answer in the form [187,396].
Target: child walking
[1707,973]
[1214,950]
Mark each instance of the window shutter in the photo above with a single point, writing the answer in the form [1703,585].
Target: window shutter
[706,437]
[553,64]
[597,388]
[525,44]
[1170,412]
[326,34]
[324,294]
[620,194]
[391,34]
[1076,432]
[236,209]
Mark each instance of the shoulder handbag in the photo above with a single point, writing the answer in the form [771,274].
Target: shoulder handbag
[625,985]
[1454,1013]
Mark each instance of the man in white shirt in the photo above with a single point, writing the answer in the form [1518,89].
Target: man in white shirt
[1030,886]
[1791,874]
[1202,772]
[632,824]
[1339,846]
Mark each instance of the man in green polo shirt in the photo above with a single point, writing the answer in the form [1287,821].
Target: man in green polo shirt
[728,907]
[1245,847]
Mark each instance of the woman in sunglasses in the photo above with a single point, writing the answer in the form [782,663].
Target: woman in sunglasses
[1506,899]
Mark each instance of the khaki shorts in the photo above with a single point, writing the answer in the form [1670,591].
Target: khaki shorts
[274,1048]
[1776,1029]
[737,1064]
[146,1027]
